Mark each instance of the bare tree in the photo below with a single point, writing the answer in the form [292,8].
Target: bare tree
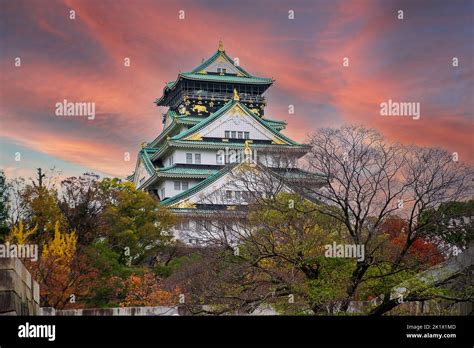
[270,243]
[368,179]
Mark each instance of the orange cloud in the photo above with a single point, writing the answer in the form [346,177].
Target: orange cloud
[82,60]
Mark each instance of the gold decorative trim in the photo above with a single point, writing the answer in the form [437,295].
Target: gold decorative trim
[238,111]
[199,109]
[236,95]
[185,205]
[196,137]
[278,141]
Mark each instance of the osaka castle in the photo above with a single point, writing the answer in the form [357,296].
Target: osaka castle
[214,131]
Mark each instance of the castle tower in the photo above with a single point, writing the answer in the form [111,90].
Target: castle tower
[215,119]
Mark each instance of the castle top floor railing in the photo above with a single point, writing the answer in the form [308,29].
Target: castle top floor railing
[223,96]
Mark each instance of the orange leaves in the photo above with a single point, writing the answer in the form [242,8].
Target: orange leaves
[144,290]
[421,250]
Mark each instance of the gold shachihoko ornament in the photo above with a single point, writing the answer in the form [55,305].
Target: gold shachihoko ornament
[236,95]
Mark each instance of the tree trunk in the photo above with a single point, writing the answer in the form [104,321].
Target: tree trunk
[354,283]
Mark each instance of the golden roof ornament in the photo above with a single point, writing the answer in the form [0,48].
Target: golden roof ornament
[144,144]
[247,149]
[221,46]
[236,95]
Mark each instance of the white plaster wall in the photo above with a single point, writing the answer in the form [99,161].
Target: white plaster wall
[222,64]
[236,123]
[168,184]
[179,156]
[141,175]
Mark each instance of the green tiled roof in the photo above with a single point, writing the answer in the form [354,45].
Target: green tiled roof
[221,145]
[297,173]
[276,124]
[222,110]
[195,74]
[179,172]
[182,171]
[209,180]
[226,78]
[214,57]
[189,119]
[174,121]
[293,174]
[144,155]
[205,212]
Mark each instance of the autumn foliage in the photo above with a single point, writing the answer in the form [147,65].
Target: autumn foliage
[144,290]
[63,274]
[421,251]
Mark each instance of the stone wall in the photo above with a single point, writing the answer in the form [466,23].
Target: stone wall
[127,311]
[19,293]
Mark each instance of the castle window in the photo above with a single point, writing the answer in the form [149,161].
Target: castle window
[233,134]
[182,225]
[185,185]
[227,134]
[238,195]
[246,135]
[185,225]
[228,195]
[240,135]
[177,185]
[189,158]
[197,158]
[162,193]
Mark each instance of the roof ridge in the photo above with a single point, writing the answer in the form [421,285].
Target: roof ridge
[274,131]
[150,168]
[205,63]
[214,57]
[223,109]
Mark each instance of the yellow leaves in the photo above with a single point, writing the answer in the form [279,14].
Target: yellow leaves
[18,234]
[62,246]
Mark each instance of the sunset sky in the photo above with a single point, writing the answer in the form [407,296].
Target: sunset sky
[82,60]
